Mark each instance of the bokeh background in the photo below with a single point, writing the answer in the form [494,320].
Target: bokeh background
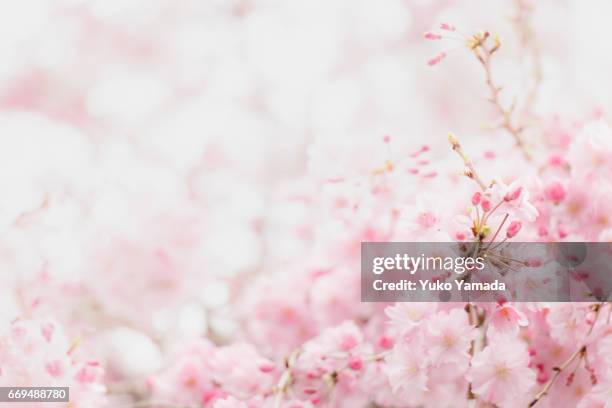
[160,159]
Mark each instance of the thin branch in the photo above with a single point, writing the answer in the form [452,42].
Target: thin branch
[470,170]
[497,232]
[483,55]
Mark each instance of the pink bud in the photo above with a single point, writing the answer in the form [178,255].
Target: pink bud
[432,36]
[355,363]
[266,366]
[485,204]
[460,236]
[476,198]
[555,192]
[313,375]
[542,377]
[513,195]
[386,138]
[534,262]
[513,229]
[436,60]
[447,27]
[542,231]
[422,149]
[556,160]
[386,342]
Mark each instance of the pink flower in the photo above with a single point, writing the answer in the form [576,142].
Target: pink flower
[508,317]
[500,373]
[187,378]
[448,336]
[486,204]
[516,201]
[437,59]
[568,323]
[406,370]
[406,316]
[237,369]
[513,229]
[36,352]
[514,194]
[340,352]
[432,36]
[555,192]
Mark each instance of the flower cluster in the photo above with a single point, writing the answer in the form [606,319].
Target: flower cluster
[38,353]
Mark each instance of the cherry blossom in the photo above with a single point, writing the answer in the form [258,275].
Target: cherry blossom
[500,373]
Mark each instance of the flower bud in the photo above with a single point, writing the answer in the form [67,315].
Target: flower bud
[476,198]
[555,192]
[485,204]
[432,36]
[513,195]
[355,363]
[436,60]
[513,229]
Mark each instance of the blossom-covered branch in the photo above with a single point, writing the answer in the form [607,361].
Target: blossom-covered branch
[580,354]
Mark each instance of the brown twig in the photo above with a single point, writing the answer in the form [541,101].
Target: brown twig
[483,50]
[470,171]
[286,378]
[476,317]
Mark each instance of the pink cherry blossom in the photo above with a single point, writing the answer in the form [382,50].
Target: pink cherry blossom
[406,316]
[448,337]
[500,374]
[555,192]
[407,373]
[37,352]
[513,229]
[508,317]
[516,200]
